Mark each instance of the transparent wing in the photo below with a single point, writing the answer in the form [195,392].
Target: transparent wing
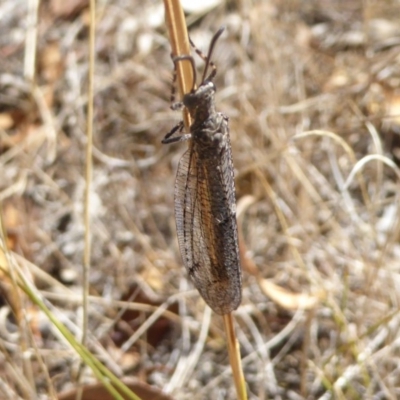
[206,226]
[185,184]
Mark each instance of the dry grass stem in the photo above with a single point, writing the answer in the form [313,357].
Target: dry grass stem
[179,39]
[180,46]
[234,357]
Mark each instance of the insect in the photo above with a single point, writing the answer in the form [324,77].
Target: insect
[205,203]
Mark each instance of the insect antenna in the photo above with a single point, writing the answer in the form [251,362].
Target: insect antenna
[208,58]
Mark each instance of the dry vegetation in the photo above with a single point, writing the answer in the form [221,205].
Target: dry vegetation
[319,209]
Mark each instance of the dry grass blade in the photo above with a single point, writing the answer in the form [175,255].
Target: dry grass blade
[234,357]
[179,43]
[89,170]
[88,187]
[9,268]
[179,39]
[31,41]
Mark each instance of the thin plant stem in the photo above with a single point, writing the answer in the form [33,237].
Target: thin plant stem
[88,186]
[88,172]
[234,357]
[179,39]
[180,45]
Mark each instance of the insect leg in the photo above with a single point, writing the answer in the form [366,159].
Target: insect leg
[178,105]
[178,128]
[191,59]
[173,87]
[176,139]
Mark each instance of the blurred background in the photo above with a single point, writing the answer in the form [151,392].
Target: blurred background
[311,89]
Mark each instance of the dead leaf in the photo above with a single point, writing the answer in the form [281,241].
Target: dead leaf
[11,221]
[11,216]
[289,300]
[99,392]
[393,108]
[67,9]
[127,360]
[6,121]
[153,277]
[131,320]
[338,79]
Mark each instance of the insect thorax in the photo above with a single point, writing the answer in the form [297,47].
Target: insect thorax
[211,135]
[201,103]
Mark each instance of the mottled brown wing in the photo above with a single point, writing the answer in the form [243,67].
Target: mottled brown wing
[206,225]
[185,187]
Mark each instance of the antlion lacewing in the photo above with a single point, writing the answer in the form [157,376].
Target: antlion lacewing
[205,203]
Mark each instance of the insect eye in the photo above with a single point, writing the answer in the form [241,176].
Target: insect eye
[210,84]
[209,87]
